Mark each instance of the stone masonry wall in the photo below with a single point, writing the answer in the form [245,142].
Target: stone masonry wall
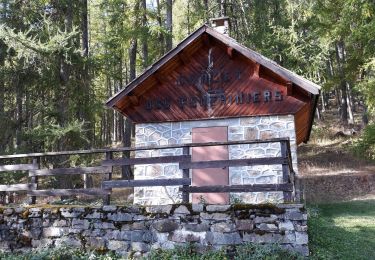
[135,230]
[246,128]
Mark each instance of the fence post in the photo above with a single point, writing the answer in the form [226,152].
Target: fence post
[185,174]
[34,179]
[107,198]
[285,166]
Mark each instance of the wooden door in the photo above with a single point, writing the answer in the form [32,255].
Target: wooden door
[211,176]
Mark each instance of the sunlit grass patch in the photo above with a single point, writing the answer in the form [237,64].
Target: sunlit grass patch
[343,230]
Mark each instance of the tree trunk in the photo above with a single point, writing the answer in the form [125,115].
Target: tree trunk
[350,96]
[206,15]
[169,38]
[84,29]
[350,104]
[340,57]
[344,103]
[160,23]
[126,170]
[325,94]
[222,8]
[234,11]
[365,120]
[338,97]
[62,99]
[64,72]
[132,58]
[126,141]
[2,97]
[109,117]
[323,101]
[19,111]
[318,114]
[145,35]
[245,17]
[3,48]
[85,114]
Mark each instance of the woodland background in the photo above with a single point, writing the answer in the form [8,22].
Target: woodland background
[60,60]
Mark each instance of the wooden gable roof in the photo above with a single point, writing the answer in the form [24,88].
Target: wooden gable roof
[210,75]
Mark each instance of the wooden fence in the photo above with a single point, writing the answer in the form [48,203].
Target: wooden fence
[288,186]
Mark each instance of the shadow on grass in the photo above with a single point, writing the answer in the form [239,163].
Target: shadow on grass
[342,230]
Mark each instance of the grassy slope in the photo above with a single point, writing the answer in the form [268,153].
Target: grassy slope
[340,226]
[343,230]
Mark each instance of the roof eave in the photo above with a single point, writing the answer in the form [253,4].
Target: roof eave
[153,68]
[266,62]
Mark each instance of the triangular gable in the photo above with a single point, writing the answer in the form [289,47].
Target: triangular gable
[210,75]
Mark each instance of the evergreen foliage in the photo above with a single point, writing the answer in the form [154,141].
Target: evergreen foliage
[60,60]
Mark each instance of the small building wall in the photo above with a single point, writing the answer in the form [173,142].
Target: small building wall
[135,230]
[245,128]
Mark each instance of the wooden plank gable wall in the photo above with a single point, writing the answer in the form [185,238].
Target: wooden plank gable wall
[177,91]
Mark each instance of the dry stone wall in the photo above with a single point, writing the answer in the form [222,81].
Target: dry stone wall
[135,230]
[245,128]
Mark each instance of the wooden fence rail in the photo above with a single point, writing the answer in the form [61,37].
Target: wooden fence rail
[17,187]
[184,161]
[285,187]
[70,171]
[18,167]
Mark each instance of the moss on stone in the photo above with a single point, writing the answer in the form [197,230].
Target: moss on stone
[25,214]
[101,250]
[243,214]
[157,215]
[260,232]
[267,207]
[240,206]
[25,241]
[51,206]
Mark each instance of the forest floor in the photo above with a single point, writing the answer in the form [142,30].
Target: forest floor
[329,169]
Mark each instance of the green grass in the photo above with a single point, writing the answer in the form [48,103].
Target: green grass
[245,251]
[63,253]
[188,252]
[342,230]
